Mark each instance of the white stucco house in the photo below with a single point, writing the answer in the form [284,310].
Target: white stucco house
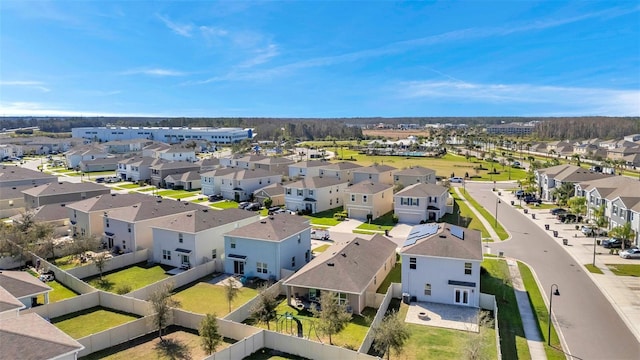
[315,194]
[263,248]
[414,175]
[240,184]
[192,238]
[210,181]
[340,170]
[422,202]
[441,264]
[366,198]
[305,169]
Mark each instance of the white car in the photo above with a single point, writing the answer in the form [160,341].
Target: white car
[633,253]
[456,179]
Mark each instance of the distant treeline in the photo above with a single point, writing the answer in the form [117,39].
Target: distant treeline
[587,128]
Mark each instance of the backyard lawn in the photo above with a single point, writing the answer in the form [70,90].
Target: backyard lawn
[393,277]
[59,293]
[625,269]
[225,204]
[90,321]
[466,217]
[181,343]
[137,276]
[206,298]
[267,354]
[67,262]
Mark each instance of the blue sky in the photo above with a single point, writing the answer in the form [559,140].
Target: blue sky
[320,59]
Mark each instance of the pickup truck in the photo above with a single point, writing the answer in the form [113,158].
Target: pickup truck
[319,234]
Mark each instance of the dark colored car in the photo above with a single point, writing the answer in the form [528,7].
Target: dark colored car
[569,218]
[532,200]
[558,211]
[215,197]
[615,244]
[253,207]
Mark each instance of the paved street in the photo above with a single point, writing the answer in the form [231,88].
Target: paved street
[591,327]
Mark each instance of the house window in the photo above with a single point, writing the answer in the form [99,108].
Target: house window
[342,298]
[293,261]
[412,263]
[288,191]
[180,238]
[299,192]
[299,238]
[128,227]
[467,268]
[214,253]
[427,289]
[353,198]
[124,245]
[330,202]
[166,255]
[364,198]
[106,222]
[375,279]
[310,192]
[261,267]
[233,244]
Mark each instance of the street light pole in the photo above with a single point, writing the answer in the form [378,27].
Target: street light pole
[595,236]
[495,225]
[550,306]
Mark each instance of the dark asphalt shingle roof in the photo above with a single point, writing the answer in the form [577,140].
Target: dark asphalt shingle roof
[204,219]
[445,244]
[422,190]
[57,188]
[367,187]
[316,182]
[13,173]
[415,171]
[21,284]
[273,228]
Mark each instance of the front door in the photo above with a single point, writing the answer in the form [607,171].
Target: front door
[238,267]
[461,296]
[185,259]
[109,243]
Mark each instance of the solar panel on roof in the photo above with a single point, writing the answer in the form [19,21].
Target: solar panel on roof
[457,232]
[420,231]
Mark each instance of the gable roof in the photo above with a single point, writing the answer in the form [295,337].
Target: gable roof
[416,171]
[175,165]
[275,160]
[29,336]
[345,267]
[276,227]
[272,189]
[13,173]
[309,164]
[57,188]
[109,201]
[204,219]
[152,209]
[243,174]
[343,165]
[445,243]
[9,302]
[316,182]
[422,190]
[374,169]
[21,284]
[367,187]
[571,173]
[13,192]
[46,213]
[219,172]
[187,176]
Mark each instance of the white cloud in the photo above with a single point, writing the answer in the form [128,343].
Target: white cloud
[153,72]
[38,109]
[38,85]
[590,101]
[180,29]
[262,56]
[210,32]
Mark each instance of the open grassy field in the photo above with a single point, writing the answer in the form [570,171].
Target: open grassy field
[136,277]
[90,321]
[205,298]
[181,343]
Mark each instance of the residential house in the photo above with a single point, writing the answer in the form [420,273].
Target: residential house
[211,180]
[126,146]
[12,200]
[422,202]
[367,199]
[176,153]
[275,192]
[9,306]
[306,169]
[383,174]
[16,176]
[248,161]
[314,194]
[194,237]
[441,264]
[24,287]
[188,181]
[152,149]
[585,149]
[53,214]
[551,178]
[137,168]
[86,217]
[160,171]
[61,193]
[264,248]
[559,147]
[240,184]
[75,156]
[341,170]
[353,270]
[414,175]
[9,151]
[129,228]
[42,145]
[275,164]
[619,153]
[209,164]
[106,164]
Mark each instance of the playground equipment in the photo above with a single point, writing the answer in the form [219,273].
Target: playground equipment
[284,323]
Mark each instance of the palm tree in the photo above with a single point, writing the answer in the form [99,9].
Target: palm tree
[624,233]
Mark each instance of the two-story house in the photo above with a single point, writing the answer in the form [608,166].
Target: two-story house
[551,178]
[240,184]
[263,248]
[367,199]
[422,202]
[414,175]
[314,194]
[61,192]
[194,237]
[383,174]
[191,180]
[137,168]
[275,164]
[74,156]
[341,170]
[441,264]
[160,171]
[306,169]
[210,181]
[15,176]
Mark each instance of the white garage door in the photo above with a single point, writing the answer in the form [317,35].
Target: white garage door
[410,218]
[359,214]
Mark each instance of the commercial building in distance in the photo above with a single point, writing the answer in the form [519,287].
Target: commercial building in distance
[165,134]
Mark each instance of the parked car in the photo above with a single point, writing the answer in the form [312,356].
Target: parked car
[100,180]
[569,218]
[253,207]
[615,243]
[215,197]
[455,179]
[532,200]
[591,230]
[558,211]
[633,253]
[243,204]
[112,179]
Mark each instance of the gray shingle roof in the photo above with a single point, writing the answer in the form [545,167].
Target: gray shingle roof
[367,187]
[109,201]
[344,165]
[309,164]
[152,209]
[422,190]
[13,173]
[416,171]
[13,192]
[176,165]
[204,219]
[355,263]
[273,228]
[57,188]
[240,174]
[444,244]
[374,169]
[46,213]
[316,182]
[272,190]
[8,301]
[22,284]
[187,176]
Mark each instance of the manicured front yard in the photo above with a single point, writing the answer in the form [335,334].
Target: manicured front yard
[129,186]
[206,298]
[593,269]
[625,269]
[136,277]
[225,204]
[177,194]
[325,218]
[382,223]
[90,321]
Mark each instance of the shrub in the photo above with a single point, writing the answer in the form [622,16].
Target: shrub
[394,218]
[123,289]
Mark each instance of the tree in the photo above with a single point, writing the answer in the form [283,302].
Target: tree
[332,316]
[562,193]
[599,216]
[210,336]
[268,202]
[578,205]
[43,234]
[100,262]
[623,232]
[391,334]
[162,302]
[476,343]
[231,291]
[264,309]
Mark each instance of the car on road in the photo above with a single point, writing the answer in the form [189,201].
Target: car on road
[613,243]
[592,230]
[99,180]
[633,253]
[558,211]
[455,179]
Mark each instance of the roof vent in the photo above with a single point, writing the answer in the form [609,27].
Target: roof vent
[205,210]
[271,217]
[135,206]
[357,243]
[114,194]
[60,183]
[263,221]
[13,188]
[159,200]
[189,215]
[443,236]
[63,205]
[331,264]
[343,255]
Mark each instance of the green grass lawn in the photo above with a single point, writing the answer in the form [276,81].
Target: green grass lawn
[365,232]
[268,354]
[129,186]
[225,204]
[200,200]
[384,222]
[325,218]
[86,322]
[593,269]
[147,189]
[67,262]
[60,292]
[495,281]
[205,298]
[136,277]
[321,248]
[350,337]
[177,194]
[542,206]
[502,233]
[392,277]
[554,352]
[467,218]
[625,269]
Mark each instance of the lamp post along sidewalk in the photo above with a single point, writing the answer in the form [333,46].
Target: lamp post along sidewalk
[557,292]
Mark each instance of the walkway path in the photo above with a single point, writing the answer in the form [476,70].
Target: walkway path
[529,323]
